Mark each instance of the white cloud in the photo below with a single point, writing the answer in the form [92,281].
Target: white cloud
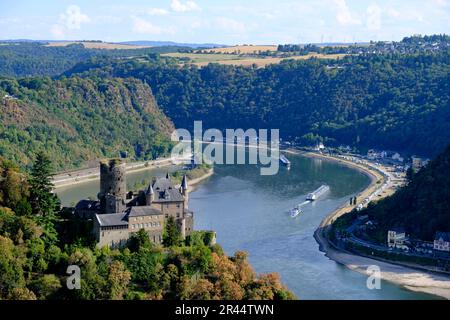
[373,17]
[107,19]
[440,3]
[157,12]
[229,24]
[57,31]
[405,14]
[143,26]
[343,14]
[186,6]
[73,18]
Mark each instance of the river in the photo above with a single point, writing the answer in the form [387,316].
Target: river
[250,212]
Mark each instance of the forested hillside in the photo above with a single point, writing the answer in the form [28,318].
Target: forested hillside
[398,102]
[76,120]
[422,207]
[101,105]
[36,59]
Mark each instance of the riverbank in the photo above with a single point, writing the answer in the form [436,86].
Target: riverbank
[407,277]
[195,183]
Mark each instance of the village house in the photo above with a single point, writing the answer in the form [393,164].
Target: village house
[442,243]
[397,238]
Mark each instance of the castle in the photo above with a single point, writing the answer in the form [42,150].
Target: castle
[117,214]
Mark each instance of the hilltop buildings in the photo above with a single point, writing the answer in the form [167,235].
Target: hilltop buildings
[117,214]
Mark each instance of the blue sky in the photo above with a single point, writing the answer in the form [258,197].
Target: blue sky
[225,22]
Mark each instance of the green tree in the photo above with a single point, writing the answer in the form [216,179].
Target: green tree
[44,202]
[118,280]
[46,287]
[11,271]
[171,236]
[139,240]
[21,294]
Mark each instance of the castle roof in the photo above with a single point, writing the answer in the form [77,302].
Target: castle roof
[112,220]
[150,189]
[121,219]
[165,191]
[88,205]
[140,211]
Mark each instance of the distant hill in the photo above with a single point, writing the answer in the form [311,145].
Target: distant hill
[24,59]
[391,102]
[80,120]
[422,207]
[174,44]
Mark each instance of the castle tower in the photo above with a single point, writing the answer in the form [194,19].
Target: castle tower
[113,187]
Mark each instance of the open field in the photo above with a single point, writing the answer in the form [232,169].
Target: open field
[261,62]
[204,58]
[244,49]
[96,45]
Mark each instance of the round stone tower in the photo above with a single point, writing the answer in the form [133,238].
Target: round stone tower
[113,186]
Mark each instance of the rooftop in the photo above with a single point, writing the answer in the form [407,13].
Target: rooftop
[165,191]
[139,211]
[87,205]
[113,219]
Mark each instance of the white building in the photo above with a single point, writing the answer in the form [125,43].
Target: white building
[319,147]
[397,238]
[442,242]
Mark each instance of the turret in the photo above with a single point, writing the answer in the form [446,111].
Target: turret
[149,195]
[184,185]
[184,189]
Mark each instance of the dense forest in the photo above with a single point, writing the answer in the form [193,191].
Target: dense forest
[38,243]
[397,102]
[36,59]
[77,120]
[422,207]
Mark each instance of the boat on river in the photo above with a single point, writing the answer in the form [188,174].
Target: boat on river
[313,196]
[295,211]
[285,161]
